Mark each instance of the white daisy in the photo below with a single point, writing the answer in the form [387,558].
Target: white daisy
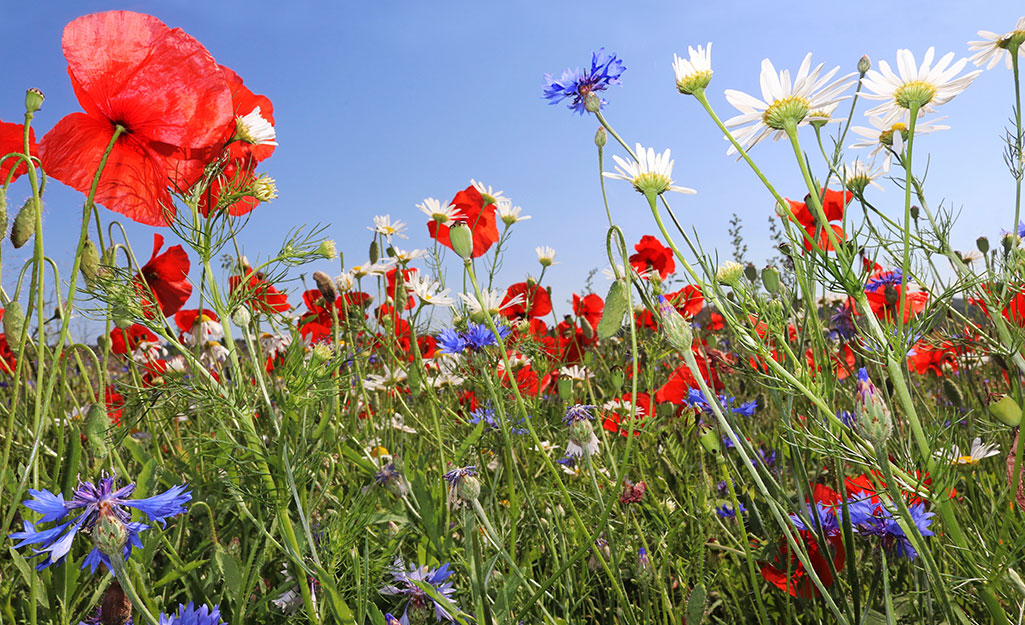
[695,72]
[371,269]
[398,422]
[577,373]
[254,128]
[384,225]
[492,301]
[783,101]
[404,257]
[490,195]
[923,86]
[546,256]
[206,328]
[976,453]
[859,174]
[345,282]
[272,345]
[650,173]
[889,137]
[994,47]
[510,214]
[429,291]
[441,214]
[611,275]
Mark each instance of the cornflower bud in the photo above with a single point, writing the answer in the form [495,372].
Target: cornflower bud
[24,224]
[461,238]
[676,328]
[463,483]
[592,103]
[601,137]
[33,100]
[110,535]
[872,416]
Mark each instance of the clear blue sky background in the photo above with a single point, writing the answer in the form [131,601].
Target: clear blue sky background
[379,105]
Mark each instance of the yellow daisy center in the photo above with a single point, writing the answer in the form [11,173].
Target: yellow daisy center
[694,81]
[886,136]
[917,93]
[792,109]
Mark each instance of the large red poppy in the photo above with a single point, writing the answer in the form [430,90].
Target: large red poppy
[884,293]
[165,276]
[535,302]
[258,293]
[480,217]
[161,86]
[124,342]
[833,205]
[653,256]
[12,139]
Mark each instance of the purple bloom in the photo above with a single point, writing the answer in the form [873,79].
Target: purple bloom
[728,512]
[455,476]
[577,85]
[843,327]
[476,337]
[697,400]
[101,500]
[887,278]
[643,562]
[190,615]
[577,412]
[404,582]
[451,341]
[873,519]
[826,519]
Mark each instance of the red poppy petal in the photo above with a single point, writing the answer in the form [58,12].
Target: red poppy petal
[12,140]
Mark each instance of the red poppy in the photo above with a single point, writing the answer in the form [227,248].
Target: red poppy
[843,362]
[187,320]
[12,140]
[231,190]
[884,293]
[688,301]
[681,380]
[480,217]
[833,205]
[115,403]
[124,342]
[8,363]
[534,303]
[653,256]
[644,410]
[1015,310]
[160,85]
[928,356]
[590,307]
[260,294]
[166,277]
[788,573]
[406,273]
[715,322]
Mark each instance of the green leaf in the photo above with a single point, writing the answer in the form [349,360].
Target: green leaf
[178,573]
[231,571]
[696,605]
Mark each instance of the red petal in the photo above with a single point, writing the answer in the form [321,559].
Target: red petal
[12,140]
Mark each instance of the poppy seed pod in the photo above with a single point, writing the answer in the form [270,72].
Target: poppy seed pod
[982,244]
[24,224]
[1006,410]
[710,441]
[770,279]
[461,238]
[326,286]
[375,252]
[33,100]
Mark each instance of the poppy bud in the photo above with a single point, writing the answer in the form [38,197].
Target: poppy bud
[327,249]
[617,379]
[1007,242]
[461,238]
[601,137]
[864,64]
[121,321]
[375,252]
[326,286]
[890,295]
[914,212]
[676,328]
[565,387]
[14,320]
[1006,410]
[770,279]
[592,103]
[103,343]
[751,272]
[33,100]
[96,422]
[24,224]
[870,410]
[982,244]
[782,211]
[90,262]
[729,272]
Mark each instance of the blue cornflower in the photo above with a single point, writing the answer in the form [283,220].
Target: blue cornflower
[455,476]
[100,501]
[846,416]
[768,457]
[190,615]
[404,583]
[605,71]
[887,278]
[485,414]
[727,512]
[873,519]
[578,412]
[747,408]
[451,341]
[842,325]
[389,619]
[826,518]
[697,400]
[643,562]
[478,336]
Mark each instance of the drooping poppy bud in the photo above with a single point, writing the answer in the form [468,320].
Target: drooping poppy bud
[24,224]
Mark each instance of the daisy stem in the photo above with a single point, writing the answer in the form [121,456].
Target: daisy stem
[1017,167]
[906,265]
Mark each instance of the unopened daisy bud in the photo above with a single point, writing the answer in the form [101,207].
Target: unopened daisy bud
[770,279]
[327,249]
[592,103]
[872,416]
[461,238]
[676,328]
[24,224]
[264,188]
[110,536]
[982,244]
[33,100]
[1006,410]
[14,321]
[326,286]
[601,137]
[729,272]
[90,262]
[864,64]
[241,317]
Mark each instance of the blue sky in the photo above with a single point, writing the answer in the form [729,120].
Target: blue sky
[379,105]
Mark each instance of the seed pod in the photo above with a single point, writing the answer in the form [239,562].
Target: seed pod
[24,224]
[90,262]
[326,286]
[616,306]
[375,252]
[982,244]
[461,238]
[770,279]
[1006,410]
[33,100]
[14,320]
[750,272]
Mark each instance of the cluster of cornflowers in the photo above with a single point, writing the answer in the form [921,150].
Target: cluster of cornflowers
[476,337]
[697,400]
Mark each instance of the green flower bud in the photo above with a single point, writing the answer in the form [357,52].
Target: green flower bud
[461,238]
[729,272]
[1006,410]
[375,251]
[14,321]
[241,316]
[617,379]
[873,419]
[914,212]
[24,224]
[122,321]
[676,328]
[770,279]
[601,137]
[592,103]
[327,249]
[33,100]
[982,244]
[864,64]
[469,488]
[751,272]
[110,536]
[565,387]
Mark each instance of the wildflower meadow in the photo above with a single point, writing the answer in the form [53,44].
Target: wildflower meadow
[829,435]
